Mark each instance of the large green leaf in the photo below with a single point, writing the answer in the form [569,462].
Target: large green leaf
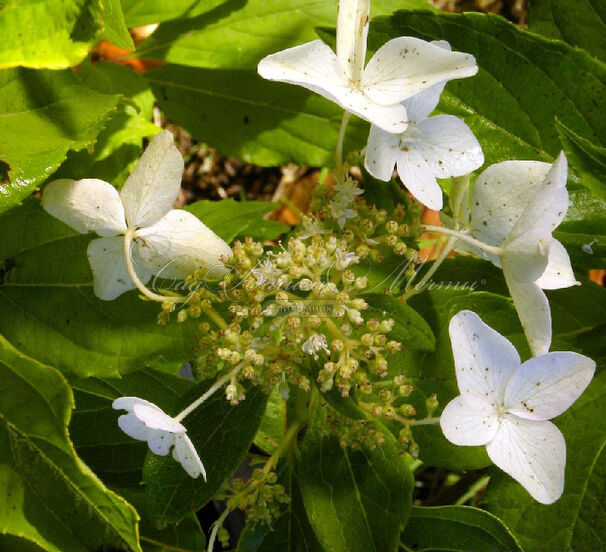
[222,434]
[290,533]
[231,219]
[237,35]
[49,496]
[50,312]
[144,12]
[581,24]
[456,529]
[245,116]
[54,33]
[357,500]
[523,82]
[578,520]
[114,456]
[587,160]
[115,30]
[118,145]
[43,114]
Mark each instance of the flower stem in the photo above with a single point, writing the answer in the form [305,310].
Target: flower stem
[216,526]
[339,166]
[452,241]
[215,387]
[425,421]
[128,245]
[464,237]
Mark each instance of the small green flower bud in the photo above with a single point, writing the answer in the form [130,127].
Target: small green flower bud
[182,316]
[385,395]
[431,404]
[391,226]
[393,346]
[400,248]
[362,251]
[405,390]
[386,325]
[337,345]
[391,240]
[413,450]
[399,379]
[407,410]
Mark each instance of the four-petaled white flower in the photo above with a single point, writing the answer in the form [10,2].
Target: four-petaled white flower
[506,405]
[515,206]
[171,242]
[146,422]
[440,146]
[399,69]
[315,344]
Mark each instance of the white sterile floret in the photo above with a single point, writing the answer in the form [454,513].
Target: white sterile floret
[146,422]
[430,148]
[169,242]
[399,69]
[516,205]
[506,404]
[314,344]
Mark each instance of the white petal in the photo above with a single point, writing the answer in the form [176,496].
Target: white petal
[469,421]
[154,418]
[110,275]
[88,205]
[500,195]
[405,66]
[352,29]
[533,453]
[533,311]
[312,65]
[421,105]
[185,453]
[558,273]
[381,152]
[127,403]
[549,204]
[449,146]
[134,427]
[526,257]
[152,187]
[418,177]
[179,244]
[484,359]
[545,386]
[159,442]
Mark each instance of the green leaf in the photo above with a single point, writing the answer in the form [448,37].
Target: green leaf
[237,38]
[49,496]
[576,521]
[185,536]
[54,34]
[230,218]
[290,533]
[587,160]
[119,144]
[457,529]
[144,12]
[356,500]
[51,313]
[271,428]
[410,329]
[524,80]
[114,456]
[43,114]
[250,118]
[115,30]
[583,231]
[582,24]
[222,434]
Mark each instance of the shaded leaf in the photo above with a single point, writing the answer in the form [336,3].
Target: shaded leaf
[43,114]
[50,496]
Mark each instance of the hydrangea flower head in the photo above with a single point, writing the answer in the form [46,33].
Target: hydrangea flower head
[431,147]
[506,404]
[146,422]
[399,69]
[171,241]
[515,206]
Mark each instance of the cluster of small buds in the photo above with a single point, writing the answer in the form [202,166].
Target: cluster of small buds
[261,497]
[354,433]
